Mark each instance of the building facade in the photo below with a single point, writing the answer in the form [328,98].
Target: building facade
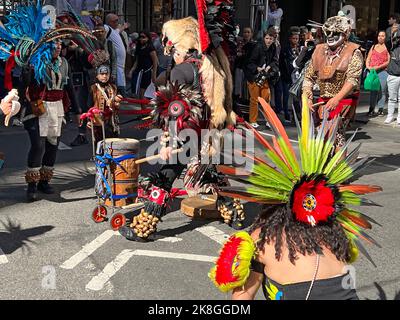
[370,15]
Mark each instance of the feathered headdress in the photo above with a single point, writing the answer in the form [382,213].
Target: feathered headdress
[178,105]
[216,24]
[314,187]
[27,39]
[212,36]
[97,55]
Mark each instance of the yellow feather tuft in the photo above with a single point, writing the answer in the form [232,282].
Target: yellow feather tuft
[238,267]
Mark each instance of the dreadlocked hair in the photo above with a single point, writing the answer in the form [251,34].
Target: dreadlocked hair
[276,225]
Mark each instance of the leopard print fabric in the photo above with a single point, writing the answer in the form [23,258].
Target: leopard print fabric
[330,88]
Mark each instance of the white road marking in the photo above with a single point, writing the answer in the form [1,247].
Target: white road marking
[98,282]
[3,257]
[214,234]
[63,146]
[170,239]
[174,255]
[88,249]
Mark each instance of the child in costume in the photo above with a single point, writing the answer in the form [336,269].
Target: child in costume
[300,244]
[103,97]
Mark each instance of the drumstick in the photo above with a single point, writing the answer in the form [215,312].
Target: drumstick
[133,206]
[318,104]
[157,156]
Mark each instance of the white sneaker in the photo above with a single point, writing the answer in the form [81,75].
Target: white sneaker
[255,125]
[388,120]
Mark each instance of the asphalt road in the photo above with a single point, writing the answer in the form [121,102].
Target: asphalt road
[53,250]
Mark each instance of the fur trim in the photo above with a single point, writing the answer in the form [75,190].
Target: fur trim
[337,24]
[218,88]
[183,33]
[46,174]
[32,176]
[214,89]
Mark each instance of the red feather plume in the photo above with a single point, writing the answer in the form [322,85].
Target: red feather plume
[204,37]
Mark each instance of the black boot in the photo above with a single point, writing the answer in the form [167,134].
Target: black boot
[45,187]
[31,193]
[46,174]
[32,177]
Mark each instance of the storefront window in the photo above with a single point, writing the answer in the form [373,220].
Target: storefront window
[367,17]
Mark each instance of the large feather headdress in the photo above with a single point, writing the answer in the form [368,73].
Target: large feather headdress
[27,38]
[314,186]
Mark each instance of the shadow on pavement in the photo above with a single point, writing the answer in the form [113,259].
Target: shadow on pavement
[75,180]
[382,294]
[15,237]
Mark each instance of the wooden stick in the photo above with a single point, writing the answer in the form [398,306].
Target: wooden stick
[157,156]
[318,104]
[133,206]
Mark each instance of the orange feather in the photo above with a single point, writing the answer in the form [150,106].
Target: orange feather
[232,171]
[357,220]
[259,137]
[248,198]
[360,188]
[356,233]
[276,123]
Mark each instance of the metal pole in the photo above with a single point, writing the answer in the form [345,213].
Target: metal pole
[325,10]
[252,8]
[266,15]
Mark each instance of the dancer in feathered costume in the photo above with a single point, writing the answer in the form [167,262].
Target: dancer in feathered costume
[29,39]
[299,245]
[336,67]
[197,96]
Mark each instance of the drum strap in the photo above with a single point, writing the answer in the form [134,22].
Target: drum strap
[103,162]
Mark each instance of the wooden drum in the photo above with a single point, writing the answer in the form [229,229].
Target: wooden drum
[124,175]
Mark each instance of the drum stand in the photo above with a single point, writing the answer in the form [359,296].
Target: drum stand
[100,212]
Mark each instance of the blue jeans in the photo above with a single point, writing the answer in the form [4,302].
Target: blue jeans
[379,97]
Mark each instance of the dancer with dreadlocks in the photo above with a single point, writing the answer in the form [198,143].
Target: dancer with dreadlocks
[30,40]
[198,96]
[336,67]
[301,242]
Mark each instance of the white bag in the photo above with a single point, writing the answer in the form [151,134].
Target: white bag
[150,91]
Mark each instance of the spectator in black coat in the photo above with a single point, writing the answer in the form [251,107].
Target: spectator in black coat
[263,58]
[288,55]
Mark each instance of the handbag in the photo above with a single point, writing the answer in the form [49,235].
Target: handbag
[372,82]
[38,108]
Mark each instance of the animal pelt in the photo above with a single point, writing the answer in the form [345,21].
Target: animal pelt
[217,87]
[183,34]
[217,83]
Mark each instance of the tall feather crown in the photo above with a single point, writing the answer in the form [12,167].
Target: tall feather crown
[27,38]
[314,186]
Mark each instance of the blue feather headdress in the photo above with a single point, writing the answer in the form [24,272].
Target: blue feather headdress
[28,38]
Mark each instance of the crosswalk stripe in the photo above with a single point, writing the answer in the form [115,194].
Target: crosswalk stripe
[214,234]
[170,239]
[3,257]
[174,255]
[88,249]
[98,282]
